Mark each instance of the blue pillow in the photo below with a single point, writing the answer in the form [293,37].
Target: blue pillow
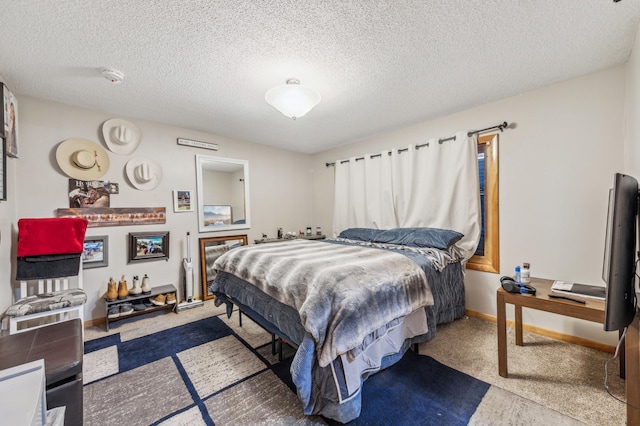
[360,234]
[420,237]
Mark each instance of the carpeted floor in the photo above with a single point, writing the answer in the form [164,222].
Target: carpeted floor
[198,367]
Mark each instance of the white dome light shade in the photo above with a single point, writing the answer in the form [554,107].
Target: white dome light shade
[292,99]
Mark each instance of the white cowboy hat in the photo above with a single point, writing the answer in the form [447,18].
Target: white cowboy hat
[82,159]
[143,174]
[121,136]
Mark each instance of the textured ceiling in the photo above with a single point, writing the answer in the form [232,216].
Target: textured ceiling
[379,65]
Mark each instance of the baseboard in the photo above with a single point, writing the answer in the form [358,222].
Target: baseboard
[530,328]
[548,333]
[95,321]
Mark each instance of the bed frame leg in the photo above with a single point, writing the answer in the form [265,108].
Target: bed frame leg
[273,344]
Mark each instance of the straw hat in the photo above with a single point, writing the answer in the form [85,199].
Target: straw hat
[121,136]
[82,159]
[143,174]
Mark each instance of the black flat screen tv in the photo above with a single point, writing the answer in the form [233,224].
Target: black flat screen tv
[618,270]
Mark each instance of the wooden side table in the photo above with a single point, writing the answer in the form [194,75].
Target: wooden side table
[593,310]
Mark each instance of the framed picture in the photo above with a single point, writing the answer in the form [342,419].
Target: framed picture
[3,171]
[182,201]
[216,216]
[85,194]
[10,121]
[145,246]
[114,188]
[95,253]
[120,216]
[211,249]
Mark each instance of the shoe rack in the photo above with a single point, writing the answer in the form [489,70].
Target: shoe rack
[138,299]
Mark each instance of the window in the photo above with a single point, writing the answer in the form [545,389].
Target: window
[487,255]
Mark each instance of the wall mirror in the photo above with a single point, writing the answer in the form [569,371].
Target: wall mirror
[223,193]
[211,249]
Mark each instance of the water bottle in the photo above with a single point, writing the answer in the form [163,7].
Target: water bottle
[525,274]
[518,276]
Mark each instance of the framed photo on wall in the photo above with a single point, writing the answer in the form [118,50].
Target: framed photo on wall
[95,253]
[216,216]
[144,246]
[88,194]
[3,171]
[182,201]
[10,121]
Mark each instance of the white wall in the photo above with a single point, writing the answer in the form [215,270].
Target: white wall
[279,182]
[632,113]
[556,168]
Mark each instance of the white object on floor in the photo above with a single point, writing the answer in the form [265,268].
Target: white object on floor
[24,401]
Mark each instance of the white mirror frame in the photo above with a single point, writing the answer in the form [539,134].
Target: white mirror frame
[208,162]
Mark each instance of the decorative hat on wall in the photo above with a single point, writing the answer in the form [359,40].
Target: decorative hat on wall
[121,136]
[143,174]
[82,159]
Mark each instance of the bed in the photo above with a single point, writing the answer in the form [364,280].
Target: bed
[351,305]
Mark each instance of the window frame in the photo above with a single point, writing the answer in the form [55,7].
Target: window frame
[490,262]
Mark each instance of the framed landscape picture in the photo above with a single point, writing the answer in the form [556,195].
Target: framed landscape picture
[216,216]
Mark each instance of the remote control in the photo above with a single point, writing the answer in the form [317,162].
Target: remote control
[557,296]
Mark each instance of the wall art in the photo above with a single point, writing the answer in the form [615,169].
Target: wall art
[10,121]
[96,252]
[118,216]
[88,194]
[216,216]
[198,144]
[3,171]
[182,201]
[145,246]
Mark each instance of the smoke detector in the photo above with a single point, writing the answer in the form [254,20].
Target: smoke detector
[113,75]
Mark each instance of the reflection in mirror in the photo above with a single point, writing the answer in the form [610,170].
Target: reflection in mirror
[223,193]
[211,249]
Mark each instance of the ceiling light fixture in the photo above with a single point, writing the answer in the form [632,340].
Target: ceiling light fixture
[292,99]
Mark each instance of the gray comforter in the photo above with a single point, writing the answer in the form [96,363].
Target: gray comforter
[343,293]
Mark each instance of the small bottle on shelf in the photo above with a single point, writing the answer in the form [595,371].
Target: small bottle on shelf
[525,274]
[518,277]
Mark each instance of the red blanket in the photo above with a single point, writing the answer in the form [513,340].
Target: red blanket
[45,236]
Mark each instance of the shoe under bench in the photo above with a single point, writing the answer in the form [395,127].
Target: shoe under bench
[139,298]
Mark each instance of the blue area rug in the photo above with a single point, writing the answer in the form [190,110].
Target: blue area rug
[150,348]
[419,389]
[416,390]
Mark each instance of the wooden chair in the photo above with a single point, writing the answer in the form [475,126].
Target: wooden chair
[46,301]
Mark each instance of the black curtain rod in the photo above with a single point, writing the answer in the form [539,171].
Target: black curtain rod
[500,127]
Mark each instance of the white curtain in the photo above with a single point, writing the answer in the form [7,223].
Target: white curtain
[434,186]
